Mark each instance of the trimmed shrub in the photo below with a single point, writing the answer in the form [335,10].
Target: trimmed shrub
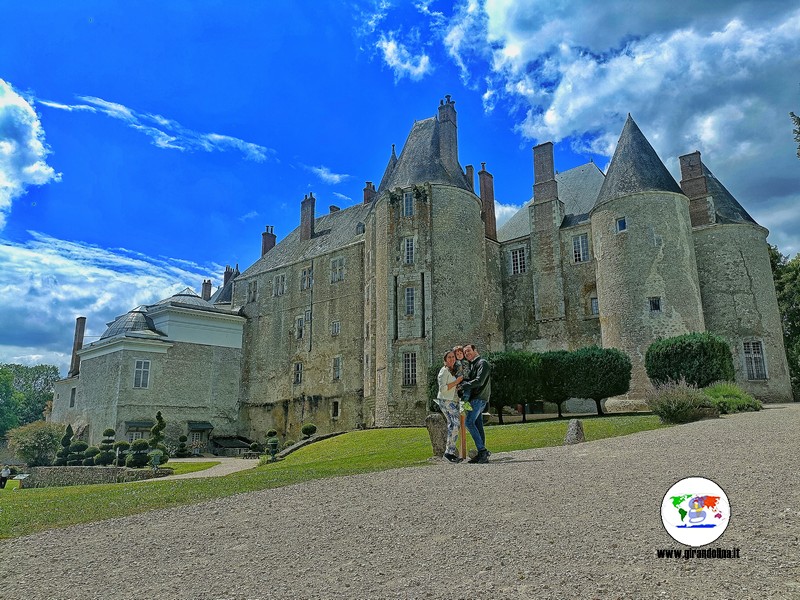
[288,443]
[88,461]
[272,433]
[36,443]
[308,430]
[151,456]
[182,451]
[600,373]
[555,379]
[63,454]
[433,388]
[680,403]
[730,398]
[698,358]
[124,447]
[515,379]
[137,456]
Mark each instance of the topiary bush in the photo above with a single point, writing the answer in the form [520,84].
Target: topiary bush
[698,358]
[183,450]
[680,403]
[308,430]
[77,453]
[288,443]
[729,398]
[106,455]
[515,379]
[555,379]
[137,456]
[63,454]
[600,373]
[123,446]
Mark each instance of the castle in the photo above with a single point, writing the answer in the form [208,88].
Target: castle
[338,323]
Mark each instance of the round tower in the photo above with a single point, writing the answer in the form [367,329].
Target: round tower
[647,282]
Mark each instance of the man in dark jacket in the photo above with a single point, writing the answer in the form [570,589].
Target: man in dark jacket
[479,384]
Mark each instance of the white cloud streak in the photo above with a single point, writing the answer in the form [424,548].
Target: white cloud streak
[503,212]
[328,176]
[404,64]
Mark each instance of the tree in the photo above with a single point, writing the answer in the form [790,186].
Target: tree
[786,274]
[36,443]
[600,373]
[36,386]
[63,454]
[698,358]
[514,379]
[796,121]
[9,401]
[156,437]
[555,377]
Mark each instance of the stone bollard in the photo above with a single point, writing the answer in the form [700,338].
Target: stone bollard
[574,432]
[437,430]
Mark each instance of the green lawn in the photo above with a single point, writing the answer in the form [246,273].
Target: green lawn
[179,468]
[26,511]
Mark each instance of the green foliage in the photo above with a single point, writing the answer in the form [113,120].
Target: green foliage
[137,456]
[182,451]
[157,431]
[91,451]
[288,443]
[123,446]
[680,403]
[78,446]
[104,458]
[109,433]
[796,131]
[786,274]
[515,378]
[730,398]
[36,444]
[433,382]
[555,378]
[308,430]
[698,358]
[88,461]
[9,401]
[67,439]
[35,388]
[156,454]
[600,373]
[272,433]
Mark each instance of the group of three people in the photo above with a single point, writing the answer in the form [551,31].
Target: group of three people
[464,387]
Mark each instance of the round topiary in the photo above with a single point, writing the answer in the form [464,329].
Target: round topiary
[700,359]
[88,461]
[288,443]
[308,430]
[104,458]
[79,446]
[109,433]
[271,433]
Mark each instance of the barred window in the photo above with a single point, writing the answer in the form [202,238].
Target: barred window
[580,248]
[298,373]
[298,328]
[408,204]
[409,368]
[337,368]
[141,374]
[307,279]
[655,303]
[337,269]
[335,327]
[518,264]
[594,305]
[754,360]
[408,244]
[279,285]
[409,301]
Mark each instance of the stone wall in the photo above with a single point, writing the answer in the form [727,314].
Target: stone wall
[65,476]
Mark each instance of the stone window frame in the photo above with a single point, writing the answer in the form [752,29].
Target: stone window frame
[409,369]
[307,315]
[624,222]
[141,374]
[408,204]
[72,393]
[580,249]
[279,285]
[252,291]
[336,410]
[519,266]
[754,360]
[410,297]
[336,328]
[336,368]
[299,327]
[307,278]
[297,373]
[338,265]
[594,305]
[408,251]
[655,304]
[195,437]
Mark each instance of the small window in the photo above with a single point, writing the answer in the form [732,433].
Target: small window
[655,303]
[196,437]
[298,373]
[337,368]
[754,360]
[408,204]
[409,368]
[580,248]
[360,228]
[622,225]
[409,301]
[141,374]
[298,327]
[279,285]
[337,270]
[335,409]
[594,305]
[252,291]
[335,328]
[72,393]
[307,279]
[134,435]
[518,264]
[307,316]
[408,252]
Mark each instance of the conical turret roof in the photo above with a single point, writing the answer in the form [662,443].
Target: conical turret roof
[635,168]
[728,209]
[389,169]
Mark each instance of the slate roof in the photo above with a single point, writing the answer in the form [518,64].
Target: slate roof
[224,294]
[635,167]
[728,210]
[134,320]
[577,188]
[331,232]
[420,161]
[187,297]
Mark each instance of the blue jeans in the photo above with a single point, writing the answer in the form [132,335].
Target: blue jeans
[474,422]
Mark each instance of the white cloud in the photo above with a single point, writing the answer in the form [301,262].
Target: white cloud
[503,212]
[401,61]
[251,215]
[23,152]
[167,133]
[342,197]
[328,176]
[49,282]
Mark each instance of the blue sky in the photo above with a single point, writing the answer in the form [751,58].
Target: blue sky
[144,146]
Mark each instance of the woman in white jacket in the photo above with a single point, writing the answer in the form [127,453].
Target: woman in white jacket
[448,402]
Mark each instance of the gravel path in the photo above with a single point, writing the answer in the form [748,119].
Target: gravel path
[568,522]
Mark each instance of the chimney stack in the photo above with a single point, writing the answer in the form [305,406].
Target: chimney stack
[268,240]
[369,192]
[470,174]
[205,293]
[307,207]
[229,274]
[448,135]
[77,344]
[544,174]
[694,184]
[486,182]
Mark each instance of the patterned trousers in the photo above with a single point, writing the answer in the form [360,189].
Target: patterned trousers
[451,414]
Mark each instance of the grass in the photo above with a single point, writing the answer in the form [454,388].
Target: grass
[27,511]
[179,468]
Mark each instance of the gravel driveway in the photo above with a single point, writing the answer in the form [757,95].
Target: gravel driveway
[568,522]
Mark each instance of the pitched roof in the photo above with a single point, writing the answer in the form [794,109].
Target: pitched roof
[728,210]
[331,232]
[134,320]
[635,167]
[188,297]
[420,161]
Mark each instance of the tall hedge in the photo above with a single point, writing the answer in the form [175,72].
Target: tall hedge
[600,373]
[698,358]
[515,379]
[556,370]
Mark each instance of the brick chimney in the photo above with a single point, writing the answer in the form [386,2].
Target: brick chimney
[268,240]
[229,274]
[334,208]
[486,182]
[77,344]
[695,187]
[470,175]
[544,175]
[369,192]
[307,207]
[206,290]
[448,135]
